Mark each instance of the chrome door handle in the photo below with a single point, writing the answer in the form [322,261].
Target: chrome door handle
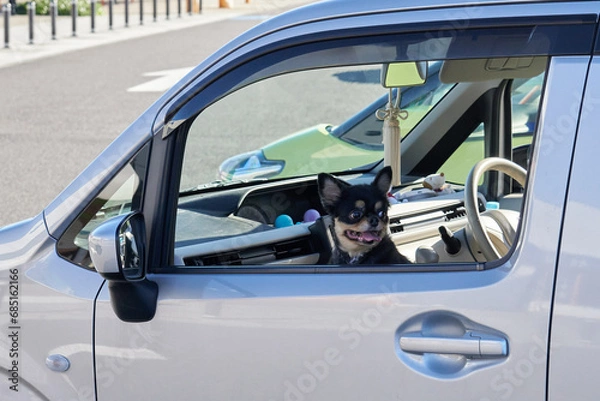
[471,344]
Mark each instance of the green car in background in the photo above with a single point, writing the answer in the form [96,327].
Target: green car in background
[357,142]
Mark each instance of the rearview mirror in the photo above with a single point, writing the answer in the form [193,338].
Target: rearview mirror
[410,73]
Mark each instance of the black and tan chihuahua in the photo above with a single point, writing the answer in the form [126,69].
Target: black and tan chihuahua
[360,220]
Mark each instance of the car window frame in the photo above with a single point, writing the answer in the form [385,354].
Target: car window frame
[232,78]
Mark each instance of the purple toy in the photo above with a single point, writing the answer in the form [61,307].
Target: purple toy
[311,215]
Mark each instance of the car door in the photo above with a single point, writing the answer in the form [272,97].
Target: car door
[294,332]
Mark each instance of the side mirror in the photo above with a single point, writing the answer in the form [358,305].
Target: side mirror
[409,73]
[117,248]
[117,251]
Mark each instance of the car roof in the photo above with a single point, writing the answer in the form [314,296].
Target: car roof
[328,10]
[331,9]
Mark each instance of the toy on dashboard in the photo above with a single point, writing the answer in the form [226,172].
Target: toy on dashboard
[284,220]
[311,215]
[437,183]
[433,185]
[434,182]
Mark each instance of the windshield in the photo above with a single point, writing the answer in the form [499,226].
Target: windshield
[301,123]
[365,129]
[325,120]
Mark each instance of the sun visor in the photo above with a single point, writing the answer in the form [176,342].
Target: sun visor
[477,70]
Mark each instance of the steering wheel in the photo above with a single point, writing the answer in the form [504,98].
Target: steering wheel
[475,225]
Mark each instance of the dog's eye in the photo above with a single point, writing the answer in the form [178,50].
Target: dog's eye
[381,214]
[356,214]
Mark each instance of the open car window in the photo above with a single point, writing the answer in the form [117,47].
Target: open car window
[256,200]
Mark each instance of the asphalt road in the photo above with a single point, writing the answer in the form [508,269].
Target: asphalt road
[58,113]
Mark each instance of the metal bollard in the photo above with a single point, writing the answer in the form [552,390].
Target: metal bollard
[168,10]
[141,12]
[178,8]
[126,13]
[154,9]
[200,7]
[53,12]
[74,16]
[31,14]
[93,15]
[6,11]
[110,14]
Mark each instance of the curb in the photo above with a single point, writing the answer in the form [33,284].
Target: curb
[21,51]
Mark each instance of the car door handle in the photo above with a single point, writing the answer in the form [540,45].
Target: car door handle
[471,344]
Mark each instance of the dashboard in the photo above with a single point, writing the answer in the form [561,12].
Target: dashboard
[238,227]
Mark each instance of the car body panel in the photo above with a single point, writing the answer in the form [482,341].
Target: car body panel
[573,347]
[314,332]
[55,303]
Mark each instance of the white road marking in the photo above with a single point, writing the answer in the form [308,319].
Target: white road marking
[165,80]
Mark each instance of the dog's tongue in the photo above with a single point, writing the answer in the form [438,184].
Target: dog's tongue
[370,236]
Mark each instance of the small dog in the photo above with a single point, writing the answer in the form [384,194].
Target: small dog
[360,220]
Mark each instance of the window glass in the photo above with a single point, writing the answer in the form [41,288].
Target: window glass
[262,115]
[365,129]
[121,196]
[284,130]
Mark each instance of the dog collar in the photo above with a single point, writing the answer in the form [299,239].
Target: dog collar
[344,258]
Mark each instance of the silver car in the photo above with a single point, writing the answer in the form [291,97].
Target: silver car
[147,279]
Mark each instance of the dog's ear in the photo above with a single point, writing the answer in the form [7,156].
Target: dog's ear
[330,191]
[383,181]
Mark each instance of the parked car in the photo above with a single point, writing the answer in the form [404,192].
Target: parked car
[144,280]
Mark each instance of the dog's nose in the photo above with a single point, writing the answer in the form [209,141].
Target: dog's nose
[373,221]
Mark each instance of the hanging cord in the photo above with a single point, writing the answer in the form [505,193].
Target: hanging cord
[391,117]
[392,112]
